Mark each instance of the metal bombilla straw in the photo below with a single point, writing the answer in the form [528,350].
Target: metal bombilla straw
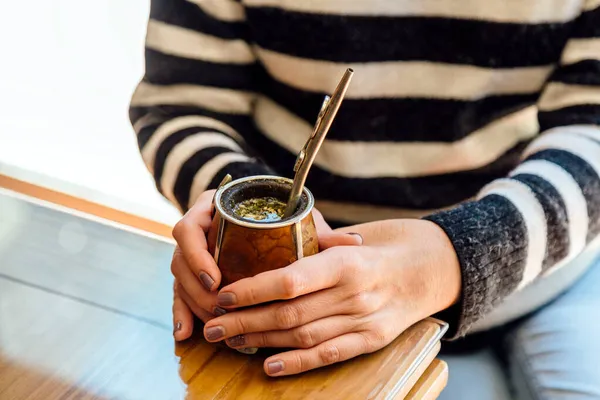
[307,155]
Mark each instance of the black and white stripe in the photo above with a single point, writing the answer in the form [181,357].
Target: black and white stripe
[526,11]
[197,17]
[581,157]
[352,39]
[555,193]
[397,158]
[450,103]
[223,10]
[565,206]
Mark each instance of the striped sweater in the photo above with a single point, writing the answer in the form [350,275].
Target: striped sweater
[480,115]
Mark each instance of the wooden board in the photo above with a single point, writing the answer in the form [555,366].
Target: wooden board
[431,383]
[382,375]
[85,313]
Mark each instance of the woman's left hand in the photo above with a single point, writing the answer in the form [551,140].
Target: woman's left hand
[344,301]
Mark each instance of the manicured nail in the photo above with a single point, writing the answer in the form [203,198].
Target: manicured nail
[226,299]
[248,350]
[237,341]
[206,280]
[275,367]
[215,333]
[358,235]
[177,327]
[218,311]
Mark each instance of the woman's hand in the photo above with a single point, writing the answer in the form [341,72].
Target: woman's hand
[197,276]
[344,301]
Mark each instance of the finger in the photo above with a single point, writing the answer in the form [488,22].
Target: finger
[203,267]
[320,223]
[183,319]
[338,349]
[190,234]
[332,239]
[201,210]
[310,274]
[279,316]
[304,337]
[191,283]
[204,315]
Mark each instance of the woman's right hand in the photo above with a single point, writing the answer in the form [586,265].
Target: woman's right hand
[197,276]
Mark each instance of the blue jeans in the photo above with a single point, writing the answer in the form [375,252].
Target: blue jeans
[551,354]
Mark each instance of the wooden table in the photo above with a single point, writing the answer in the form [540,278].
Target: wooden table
[85,313]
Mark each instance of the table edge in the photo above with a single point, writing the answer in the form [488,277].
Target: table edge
[74,204]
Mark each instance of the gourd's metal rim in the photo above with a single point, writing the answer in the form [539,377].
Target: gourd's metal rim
[262,225]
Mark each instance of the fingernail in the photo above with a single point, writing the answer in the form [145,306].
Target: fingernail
[177,327]
[248,350]
[218,311]
[237,341]
[226,299]
[206,280]
[275,367]
[358,235]
[215,333]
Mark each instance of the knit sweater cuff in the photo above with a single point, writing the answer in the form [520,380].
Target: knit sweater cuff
[489,237]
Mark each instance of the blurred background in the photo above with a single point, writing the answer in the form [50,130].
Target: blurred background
[68,69]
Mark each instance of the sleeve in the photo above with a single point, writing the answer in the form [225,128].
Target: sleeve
[548,209]
[192,109]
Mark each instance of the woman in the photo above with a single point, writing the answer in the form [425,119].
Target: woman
[465,160]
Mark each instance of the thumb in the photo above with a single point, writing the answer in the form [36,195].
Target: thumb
[332,239]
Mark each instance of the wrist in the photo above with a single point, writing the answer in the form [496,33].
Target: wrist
[435,266]
[446,267]
[421,259]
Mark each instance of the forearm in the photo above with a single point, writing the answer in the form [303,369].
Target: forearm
[191,111]
[520,229]
[548,209]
